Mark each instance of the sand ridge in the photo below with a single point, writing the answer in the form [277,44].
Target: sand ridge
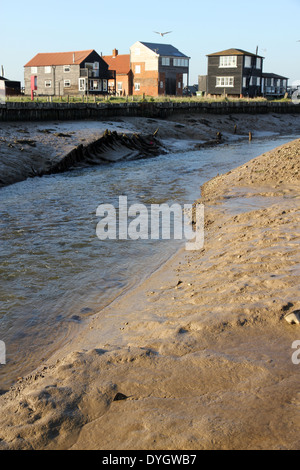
[200,353]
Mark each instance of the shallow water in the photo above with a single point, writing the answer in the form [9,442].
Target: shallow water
[55,272]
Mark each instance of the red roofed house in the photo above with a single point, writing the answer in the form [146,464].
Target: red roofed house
[68,73]
[124,77]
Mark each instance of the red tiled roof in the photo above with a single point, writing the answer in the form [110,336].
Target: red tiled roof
[120,63]
[58,58]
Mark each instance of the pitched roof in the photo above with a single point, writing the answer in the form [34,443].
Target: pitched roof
[164,49]
[58,58]
[234,52]
[119,63]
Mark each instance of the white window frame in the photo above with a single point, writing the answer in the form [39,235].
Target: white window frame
[179,85]
[180,62]
[161,84]
[225,82]
[48,69]
[228,61]
[67,83]
[248,62]
[82,84]
[48,83]
[137,69]
[244,82]
[104,85]
[34,70]
[165,61]
[119,86]
[137,87]
[67,68]
[258,63]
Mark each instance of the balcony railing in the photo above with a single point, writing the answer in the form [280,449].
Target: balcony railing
[90,73]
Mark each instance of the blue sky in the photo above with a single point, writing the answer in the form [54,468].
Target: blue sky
[199,28]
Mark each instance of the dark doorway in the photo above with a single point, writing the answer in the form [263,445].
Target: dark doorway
[171,86]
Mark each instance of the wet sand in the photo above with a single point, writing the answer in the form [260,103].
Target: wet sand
[197,357]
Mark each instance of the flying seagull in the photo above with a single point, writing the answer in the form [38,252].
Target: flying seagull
[162,34]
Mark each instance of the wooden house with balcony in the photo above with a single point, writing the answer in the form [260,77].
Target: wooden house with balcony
[68,73]
[235,73]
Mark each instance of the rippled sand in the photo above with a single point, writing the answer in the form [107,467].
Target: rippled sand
[198,356]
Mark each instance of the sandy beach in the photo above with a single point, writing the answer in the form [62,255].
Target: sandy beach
[200,355]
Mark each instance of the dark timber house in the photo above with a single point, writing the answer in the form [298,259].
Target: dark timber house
[234,72]
[68,73]
[12,88]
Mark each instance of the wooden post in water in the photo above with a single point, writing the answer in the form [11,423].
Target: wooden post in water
[250,136]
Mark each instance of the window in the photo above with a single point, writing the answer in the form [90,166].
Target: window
[225,82]
[137,69]
[82,84]
[33,70]
[179,85]
[137,86]
[258,63]
[161,85]
[180,62]
[67,83]
[258,81]
[248,62]
[48,69]
[67,68]
[228,61]
[244,82]
[119,86]
[165,61]
[48,83]
[104,87]
[95,85]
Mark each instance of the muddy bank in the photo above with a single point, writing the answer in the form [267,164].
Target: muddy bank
[30,149]
[200,354]
[50,151]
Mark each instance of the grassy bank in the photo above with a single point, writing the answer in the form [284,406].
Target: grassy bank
[128,99]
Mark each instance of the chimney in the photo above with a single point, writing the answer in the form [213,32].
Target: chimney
[73,57]
[2,71]
[115,53]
